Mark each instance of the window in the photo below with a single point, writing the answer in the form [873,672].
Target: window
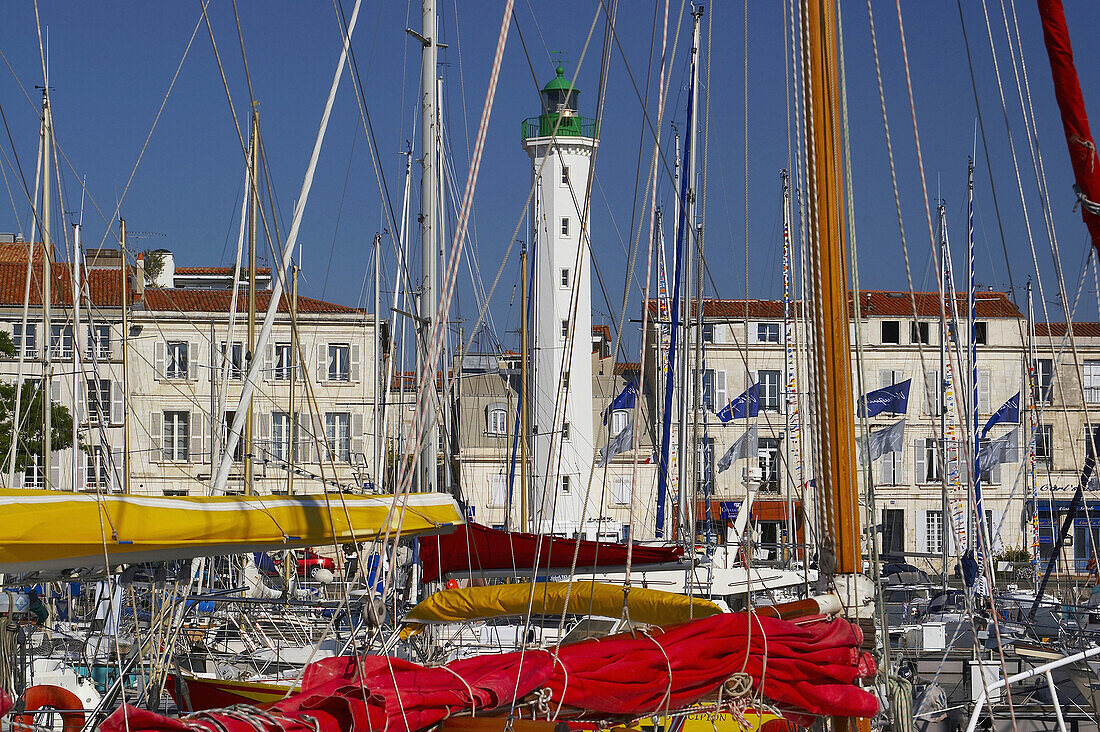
[767,332]
[891,332]
[621,489]
[227,426]
[280,437]
[566,433]
[769,464]
[565,226]
[99,400]
[981,333]
[30,343]
[933,532]
[893,531]
[992,474]
[619,419]
[236,359]
[712,389]
[890,469]
[497,423]
[284,362]
[565,380]
[933,392]
[1043,379]
[61,341]
[177,435]
[339,362]
[769,390]
[1092,382]
[338,435]
[919,332]
[498,491]
[176,361]
[1044,444]
[34,476]
[565,484]
[927,460]
[97,468]
[565,175]
[565,278]
[708,333]
[99,342]
[565,328]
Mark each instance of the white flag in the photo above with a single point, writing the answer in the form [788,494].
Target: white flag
[1001,450]
[888,439]
[746,446]
[618,444]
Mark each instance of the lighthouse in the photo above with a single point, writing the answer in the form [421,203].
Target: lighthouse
[561,144]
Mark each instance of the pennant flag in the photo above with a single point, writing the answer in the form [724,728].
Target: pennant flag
[1001,450]
[745,446]
[744,406]
[627,398]
[618,444]
[1009,412]
[893,399]
[889,439]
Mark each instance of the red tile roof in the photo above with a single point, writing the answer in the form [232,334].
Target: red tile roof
[217,270]
[17,252]
[873,303]
[1057,330]
[105,288]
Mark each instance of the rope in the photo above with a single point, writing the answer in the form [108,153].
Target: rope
[1084,202]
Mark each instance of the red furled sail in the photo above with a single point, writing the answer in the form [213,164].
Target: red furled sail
[804,670]
[477,549]
[1075,122]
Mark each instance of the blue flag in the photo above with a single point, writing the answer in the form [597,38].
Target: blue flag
[746,405]
[627,398]
[893,399]
[1009,412]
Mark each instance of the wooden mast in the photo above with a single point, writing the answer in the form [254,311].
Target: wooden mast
[841,557]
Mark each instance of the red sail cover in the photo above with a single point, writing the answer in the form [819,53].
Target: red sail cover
[475,548]
[1075,122]
[803,670]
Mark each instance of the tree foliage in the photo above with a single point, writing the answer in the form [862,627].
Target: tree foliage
[29,443]
[154,265]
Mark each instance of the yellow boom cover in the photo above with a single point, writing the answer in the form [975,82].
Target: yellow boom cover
[652,607]
[45,530]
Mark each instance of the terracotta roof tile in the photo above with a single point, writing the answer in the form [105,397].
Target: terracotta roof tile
[216,270]
[873,303]
[1057,330]
[17,252]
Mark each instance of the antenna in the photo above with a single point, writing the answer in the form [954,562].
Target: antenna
[560,57]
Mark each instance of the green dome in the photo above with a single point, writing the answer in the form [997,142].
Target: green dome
[559,82]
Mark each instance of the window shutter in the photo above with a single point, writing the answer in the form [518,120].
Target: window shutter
[922,531]
[621,488]
[193,361]
[322,362]
[158,360]
[885,378]
[55,469]
[156,432]
[918,462]
[269,362]
[497,490]
[115,470]
[202,424]
[194,447]
[81,397]
[305,442]
[261,446]
[354,357]
[719,389]
[117,403]
[55,390]
[356,432]
[718,332]
[983,391]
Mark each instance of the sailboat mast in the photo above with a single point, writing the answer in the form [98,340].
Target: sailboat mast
[125,358]
[292,414]
[376,477]
[788,364]
[253,211]
[47,299]
[828,275]
[523,409]
[689,377]
[940,212]
[428,428]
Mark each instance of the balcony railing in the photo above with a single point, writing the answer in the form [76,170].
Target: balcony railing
[571,126]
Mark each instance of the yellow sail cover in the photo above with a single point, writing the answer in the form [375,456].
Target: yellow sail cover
[652,607]
[46,530]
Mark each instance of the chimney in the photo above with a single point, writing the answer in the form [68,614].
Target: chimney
[139,279]
[167,277]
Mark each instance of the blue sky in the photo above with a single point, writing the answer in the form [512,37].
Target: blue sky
[111,64]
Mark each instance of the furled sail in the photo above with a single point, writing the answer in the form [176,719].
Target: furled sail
[652,607]
[474,549]
[52,530]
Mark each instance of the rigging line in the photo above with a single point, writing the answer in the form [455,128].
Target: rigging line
[339,214]
[244,57]
[7,186]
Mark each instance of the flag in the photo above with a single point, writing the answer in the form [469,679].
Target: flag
[889,439]
[627,398]
[1001,450]
[618,444]
[893,399]
[746,405]
[1009,412]
[745,446]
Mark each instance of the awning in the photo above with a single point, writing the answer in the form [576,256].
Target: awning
[51,530]
[651,607]
[474,549]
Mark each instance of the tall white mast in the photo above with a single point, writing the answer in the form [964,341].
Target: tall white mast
[47,266]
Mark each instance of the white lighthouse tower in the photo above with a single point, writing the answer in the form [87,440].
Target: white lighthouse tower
[560,143]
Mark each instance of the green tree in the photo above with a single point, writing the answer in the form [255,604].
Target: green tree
[29,443]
